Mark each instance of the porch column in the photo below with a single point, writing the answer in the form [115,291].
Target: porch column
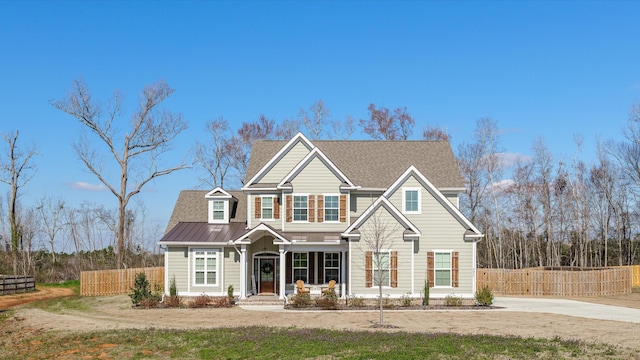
[243,272]
[343,274]
[283,270]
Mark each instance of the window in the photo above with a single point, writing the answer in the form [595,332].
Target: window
[331,208]
[381,269]
[411,201]
[267,207]
[442,269]
[205,265]
[300,208]
[331,267]
[218,210]
[300,262]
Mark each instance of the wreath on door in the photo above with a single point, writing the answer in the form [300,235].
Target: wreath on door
[267,268]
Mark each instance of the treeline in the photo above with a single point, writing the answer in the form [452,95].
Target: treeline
[549,211]
[58,241]
[69,265]
[538,210]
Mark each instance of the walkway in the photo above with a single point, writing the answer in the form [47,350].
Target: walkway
[570,308]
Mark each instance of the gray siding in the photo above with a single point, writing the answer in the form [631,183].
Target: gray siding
[440,231]
[284,166]
[253,221]
[360,202]
[315,179]
[231,263]
[395,242]
[178,268]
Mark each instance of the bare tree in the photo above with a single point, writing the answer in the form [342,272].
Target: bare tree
[216,155]
[486,135]
[287,129]
[470,161]
[136,154]
[384,125]
[435,133]
[52,218]
[377,236]
[320,125]
[315,119]
[16,170]
[543,168]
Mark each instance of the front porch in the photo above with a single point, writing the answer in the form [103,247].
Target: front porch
[271,263]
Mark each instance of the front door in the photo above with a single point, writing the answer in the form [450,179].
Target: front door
[267,275]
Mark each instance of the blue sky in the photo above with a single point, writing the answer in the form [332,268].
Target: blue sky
[540,69]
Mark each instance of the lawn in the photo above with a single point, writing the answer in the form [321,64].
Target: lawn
[292,343]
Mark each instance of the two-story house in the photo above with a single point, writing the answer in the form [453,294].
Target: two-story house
[321,211]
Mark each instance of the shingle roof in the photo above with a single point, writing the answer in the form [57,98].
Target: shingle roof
[192,206]
[375,164]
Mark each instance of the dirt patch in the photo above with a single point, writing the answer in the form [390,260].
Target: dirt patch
[115,312]
[42,293]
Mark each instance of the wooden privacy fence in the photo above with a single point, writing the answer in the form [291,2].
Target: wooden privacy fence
[118,282]
[11,284]
[635,274]
[556,282]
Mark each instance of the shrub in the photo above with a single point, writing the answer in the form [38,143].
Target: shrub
[356,302]
[222,302]
[173,288]
[147,303]
[140,290]
[407,300]
[484,297]
[172,301]
[329,301]
[230,291]
[425,294]
[200,301]
[452,300]
[301,300]
[387,303]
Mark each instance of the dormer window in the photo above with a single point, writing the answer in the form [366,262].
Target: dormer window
[218,200]
[218,210]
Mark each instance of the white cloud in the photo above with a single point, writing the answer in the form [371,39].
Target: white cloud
[511,159]
[81,185]
[503,185]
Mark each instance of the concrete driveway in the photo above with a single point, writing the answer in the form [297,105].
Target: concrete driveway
[569,307]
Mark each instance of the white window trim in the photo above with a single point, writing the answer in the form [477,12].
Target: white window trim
[225,208]
[273,199]
[404,200]
[294,268]
[206,255]
[324,265]
[324,205]
[293,209]
[373,269]
[450,252]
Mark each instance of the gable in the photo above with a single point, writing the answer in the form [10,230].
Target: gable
[432,199]
[382,207]
[317,171]
[273,169]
